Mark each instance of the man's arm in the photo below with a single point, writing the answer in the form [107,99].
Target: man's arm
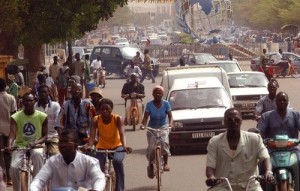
[262,124]
[211,159]
[12,133]
[124,92]
[96,176]
[42,177]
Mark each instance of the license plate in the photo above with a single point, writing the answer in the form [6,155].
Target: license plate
[203,135]
[248,104]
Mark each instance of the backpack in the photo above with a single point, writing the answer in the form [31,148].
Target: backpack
[62,80]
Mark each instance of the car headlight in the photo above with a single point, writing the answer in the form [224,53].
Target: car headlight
[233,98]
[178,125]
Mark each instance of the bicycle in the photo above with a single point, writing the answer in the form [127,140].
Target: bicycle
[108,168]
[134,112]
[27,167]
[158,160]
[212,183]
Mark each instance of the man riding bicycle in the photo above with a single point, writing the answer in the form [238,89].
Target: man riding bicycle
[69,167]
[133,87]
[234,154]
[28,128]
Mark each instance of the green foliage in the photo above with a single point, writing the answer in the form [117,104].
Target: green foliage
[266,14]
[185,38]
[45,21]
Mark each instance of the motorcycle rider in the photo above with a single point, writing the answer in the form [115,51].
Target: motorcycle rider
[96,64]
[235,153]
[133,86]
[267,103]
[281,121]
[132,68]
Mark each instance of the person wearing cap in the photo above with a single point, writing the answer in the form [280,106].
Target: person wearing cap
[158,110]
[132,88]
[13,87]
[96,96]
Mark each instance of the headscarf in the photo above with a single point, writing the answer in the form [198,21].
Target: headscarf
[158,87]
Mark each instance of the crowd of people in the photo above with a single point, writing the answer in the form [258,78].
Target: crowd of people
[56,114]
[77,121]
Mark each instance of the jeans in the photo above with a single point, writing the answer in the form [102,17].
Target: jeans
[117,162]
[145,72]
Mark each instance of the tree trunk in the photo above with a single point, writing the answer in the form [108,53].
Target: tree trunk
[8,46]
[36,58]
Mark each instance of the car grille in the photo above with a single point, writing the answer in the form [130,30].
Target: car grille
[248,97]
[202,124]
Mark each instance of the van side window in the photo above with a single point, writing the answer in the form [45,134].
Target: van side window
[115,53]
[106,51]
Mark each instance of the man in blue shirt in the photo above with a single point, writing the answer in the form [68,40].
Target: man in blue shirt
[281,121]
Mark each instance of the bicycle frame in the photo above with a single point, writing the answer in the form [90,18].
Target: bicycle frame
[158,161]
[108,170]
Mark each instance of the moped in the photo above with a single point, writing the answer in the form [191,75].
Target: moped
[284,162]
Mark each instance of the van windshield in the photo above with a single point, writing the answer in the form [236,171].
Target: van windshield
[199,98]
[130,52]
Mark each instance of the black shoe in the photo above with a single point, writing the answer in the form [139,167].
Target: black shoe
[150,171]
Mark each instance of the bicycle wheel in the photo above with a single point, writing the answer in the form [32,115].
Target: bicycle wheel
[133,120]
[110,182]
[24,180]
[158,167]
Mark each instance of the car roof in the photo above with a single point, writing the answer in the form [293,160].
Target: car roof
[115,46]
[196,82]
[222,61]
[246,72]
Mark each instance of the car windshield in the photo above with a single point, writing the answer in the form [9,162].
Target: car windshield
[247,80]
[199,98]
[228,66]
[205,58]
[130,52]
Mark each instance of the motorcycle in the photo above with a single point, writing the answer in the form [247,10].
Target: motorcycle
[285,163]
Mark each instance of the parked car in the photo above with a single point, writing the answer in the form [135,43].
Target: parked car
[122,41]
[246,89]
[194,59]
[227,65]
[116,57]
[295,59]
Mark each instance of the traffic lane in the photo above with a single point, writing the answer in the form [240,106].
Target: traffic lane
[188,170]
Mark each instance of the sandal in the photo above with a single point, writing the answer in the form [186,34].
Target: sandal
[166,168]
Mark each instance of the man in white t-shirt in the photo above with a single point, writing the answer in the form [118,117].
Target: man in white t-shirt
[96,64]
[52,109]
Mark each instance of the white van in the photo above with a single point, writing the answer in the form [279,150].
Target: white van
[198,106]
[172,73]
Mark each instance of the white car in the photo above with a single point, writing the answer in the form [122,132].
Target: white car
[122,41]
[246,88]
[162,36]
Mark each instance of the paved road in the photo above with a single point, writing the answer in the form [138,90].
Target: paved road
[187,169]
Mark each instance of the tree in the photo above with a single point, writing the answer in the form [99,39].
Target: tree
[35,22]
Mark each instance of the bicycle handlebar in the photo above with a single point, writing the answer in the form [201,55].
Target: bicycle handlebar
[213,182]
[23,149]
